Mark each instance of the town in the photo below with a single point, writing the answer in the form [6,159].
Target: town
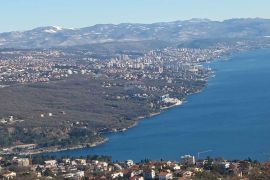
[31,66]
[79,90]
[102,167]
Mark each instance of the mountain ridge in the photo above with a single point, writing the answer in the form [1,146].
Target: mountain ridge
[175,31]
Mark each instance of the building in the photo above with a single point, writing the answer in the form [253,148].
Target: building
[80,161]
[188,160]
[79,174]
[117,175]
[66,161]
[149,174]
[159,69]
[9,175]
[137,178]
[23,162]
[129,163]
[165,176]
[187,174]
[50,163]
[201,163]
[164,97]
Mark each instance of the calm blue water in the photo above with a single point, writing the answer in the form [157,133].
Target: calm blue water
[231,117]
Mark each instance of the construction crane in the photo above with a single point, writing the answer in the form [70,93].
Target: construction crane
[202,152]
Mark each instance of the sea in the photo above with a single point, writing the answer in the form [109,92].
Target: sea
[230,118]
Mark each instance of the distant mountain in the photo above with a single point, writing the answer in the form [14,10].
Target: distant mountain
[171,32]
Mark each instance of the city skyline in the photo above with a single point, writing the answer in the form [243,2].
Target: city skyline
[19,15]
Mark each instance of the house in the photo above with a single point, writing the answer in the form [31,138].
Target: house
[117,175]
[117,166]
[80,161]
[50,163]
[127,173]
[79,174]
[164,97]
[68,176]
[137,178]
[187,174]
[225,165]
[201,163]
[198,169]
[188,160]
[136,173]
[165,175]
[9,175]
[129,163]
[66,161]
[236,170]
[176,167]
[103,165]
[149,174]
[22,162]
[98,177]
[74,163]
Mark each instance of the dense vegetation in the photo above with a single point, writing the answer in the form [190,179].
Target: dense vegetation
[80,107]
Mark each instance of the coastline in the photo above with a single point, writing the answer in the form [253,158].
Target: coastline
[97,143]
[57,149]
[105,139]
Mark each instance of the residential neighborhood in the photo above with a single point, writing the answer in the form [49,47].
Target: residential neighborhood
[102,167]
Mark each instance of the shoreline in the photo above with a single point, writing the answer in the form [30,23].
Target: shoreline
[118,131]
[105,139]
[98,143]
[57,149]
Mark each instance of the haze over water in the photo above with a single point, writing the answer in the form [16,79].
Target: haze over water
[231,117]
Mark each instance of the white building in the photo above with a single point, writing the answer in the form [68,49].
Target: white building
[129,163]
[117,175]
[50,163]
[79,174]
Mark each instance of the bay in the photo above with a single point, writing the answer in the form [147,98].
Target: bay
[230,118]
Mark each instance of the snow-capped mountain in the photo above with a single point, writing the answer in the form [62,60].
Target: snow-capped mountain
[178,31]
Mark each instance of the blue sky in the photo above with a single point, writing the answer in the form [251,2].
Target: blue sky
[27,14]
